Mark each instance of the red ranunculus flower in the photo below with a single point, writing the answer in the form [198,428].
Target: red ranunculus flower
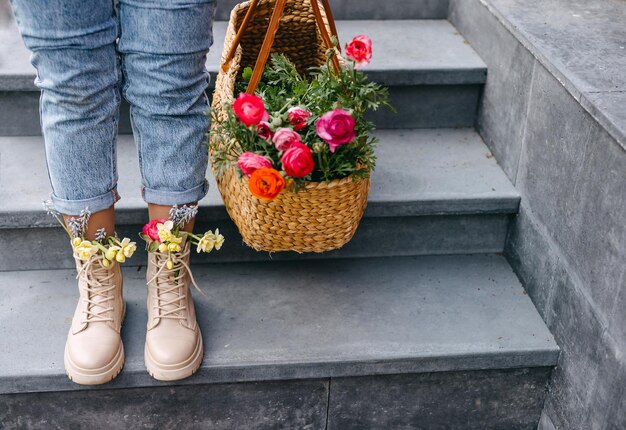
[336,128]
[298,117]
[298,160]
[250,109]
[360,50]
[151,230]
[264,131]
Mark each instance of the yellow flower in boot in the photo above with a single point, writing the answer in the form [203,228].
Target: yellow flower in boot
[173,247]
[165,231]
[219,239]
[111,252]
[127,247]
[163,247]
[85,250]
[206,242]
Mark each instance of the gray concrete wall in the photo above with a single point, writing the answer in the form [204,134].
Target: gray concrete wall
[568,243]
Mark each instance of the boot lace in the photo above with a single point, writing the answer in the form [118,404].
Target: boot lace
[167,282]
[99,288]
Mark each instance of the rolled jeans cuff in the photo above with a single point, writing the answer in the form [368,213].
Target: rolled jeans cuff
[171,198]
[94,204]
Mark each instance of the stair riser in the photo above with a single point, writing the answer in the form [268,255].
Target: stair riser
[368,9]
[419,106]
[468,400]
[376,237]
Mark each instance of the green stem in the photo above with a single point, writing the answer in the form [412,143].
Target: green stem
[99,245]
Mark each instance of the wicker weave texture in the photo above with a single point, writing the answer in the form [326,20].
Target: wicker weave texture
[325,215]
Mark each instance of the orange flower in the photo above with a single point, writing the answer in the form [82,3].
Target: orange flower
[266,183]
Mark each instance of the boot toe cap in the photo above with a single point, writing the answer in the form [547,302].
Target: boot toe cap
[172,349]
[90,352]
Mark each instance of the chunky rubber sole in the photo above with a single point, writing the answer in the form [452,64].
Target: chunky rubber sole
[175,372]
[95,376]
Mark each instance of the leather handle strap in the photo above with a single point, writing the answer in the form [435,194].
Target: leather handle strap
[270,35]
[323,31]
[246,19]
[264,53]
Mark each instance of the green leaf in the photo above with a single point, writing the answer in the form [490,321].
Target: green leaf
[154,245]
[247,74]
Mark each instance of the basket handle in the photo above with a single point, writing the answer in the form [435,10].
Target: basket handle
[271,34]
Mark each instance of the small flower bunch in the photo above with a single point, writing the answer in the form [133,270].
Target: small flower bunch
[110,247]
[165,235]
[296,129]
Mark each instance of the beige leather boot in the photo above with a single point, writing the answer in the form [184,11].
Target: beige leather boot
[94,353]
[173,342]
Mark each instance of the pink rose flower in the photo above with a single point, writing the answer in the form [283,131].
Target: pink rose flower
[298,160]
[336,128]
[151,230]
[360,50]
[248,162]
[298,117]
[264,131]
[250,109]
[284,138]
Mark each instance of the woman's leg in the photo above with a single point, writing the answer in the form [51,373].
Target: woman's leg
[73,45]
[163,45]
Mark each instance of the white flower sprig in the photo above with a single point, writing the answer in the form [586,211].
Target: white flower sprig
[182,215]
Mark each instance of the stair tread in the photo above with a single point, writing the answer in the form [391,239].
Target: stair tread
[277,320]
[419,172]
[406,52]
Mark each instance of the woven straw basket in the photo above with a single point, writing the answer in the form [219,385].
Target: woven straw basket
[325,215]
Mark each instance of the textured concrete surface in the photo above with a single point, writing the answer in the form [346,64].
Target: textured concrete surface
[504,100]
[509,399]
[568,244]
[375,237]
[453,199]
[581,42]
[432,52]
[458,400]
[429,106]
[434,77]
[588,388]
[253,406]
[264,321]
[585,206]
[369,9]
[445,172]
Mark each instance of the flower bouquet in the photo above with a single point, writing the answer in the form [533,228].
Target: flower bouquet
[293,158]
[166,237]
[105,248]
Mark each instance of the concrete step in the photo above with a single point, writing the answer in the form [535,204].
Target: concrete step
[434,76]
[435,191]
[367,9]
[442,341]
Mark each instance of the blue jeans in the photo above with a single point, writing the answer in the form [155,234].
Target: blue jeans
[154,52]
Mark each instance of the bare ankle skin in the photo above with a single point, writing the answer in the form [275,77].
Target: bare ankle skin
[163,212]
[101,219]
